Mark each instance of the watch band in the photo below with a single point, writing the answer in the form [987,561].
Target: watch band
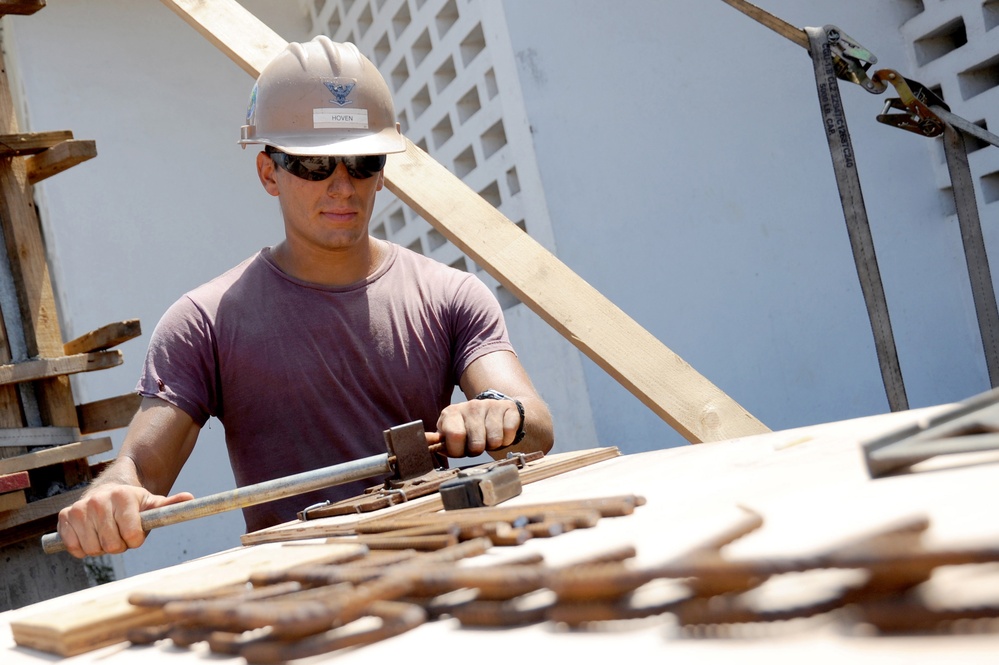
[495,394]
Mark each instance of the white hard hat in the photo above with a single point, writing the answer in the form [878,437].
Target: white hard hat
[322,98]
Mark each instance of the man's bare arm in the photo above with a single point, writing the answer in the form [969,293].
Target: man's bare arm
[160,438]
[471,427]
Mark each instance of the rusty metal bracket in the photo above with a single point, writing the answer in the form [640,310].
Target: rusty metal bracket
[408,445]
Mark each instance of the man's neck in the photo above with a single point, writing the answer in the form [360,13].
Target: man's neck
[329,267]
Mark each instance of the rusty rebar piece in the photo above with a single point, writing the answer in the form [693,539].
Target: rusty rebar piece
[519,611]
[627,607]
[493,583]
[614,506]
[907,613]
[597,582]
[396,618]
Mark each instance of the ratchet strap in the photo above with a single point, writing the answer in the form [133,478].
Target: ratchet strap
[974,247]
[925,114]
[857,224]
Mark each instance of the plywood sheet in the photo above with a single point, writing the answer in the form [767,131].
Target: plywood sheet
[90,620]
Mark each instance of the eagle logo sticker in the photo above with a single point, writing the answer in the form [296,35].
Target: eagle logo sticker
[340,91]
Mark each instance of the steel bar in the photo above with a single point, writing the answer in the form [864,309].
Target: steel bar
[251,495]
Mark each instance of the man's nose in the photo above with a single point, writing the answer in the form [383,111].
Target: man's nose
[340,182]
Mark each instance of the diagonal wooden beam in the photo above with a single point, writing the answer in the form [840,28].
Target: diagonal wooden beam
[677,393]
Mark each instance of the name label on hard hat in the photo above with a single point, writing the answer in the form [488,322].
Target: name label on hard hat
[340,119]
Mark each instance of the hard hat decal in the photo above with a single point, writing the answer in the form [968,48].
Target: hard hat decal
[340,89]
[252,106]
[340,119]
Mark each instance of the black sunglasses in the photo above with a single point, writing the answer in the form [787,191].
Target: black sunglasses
[320,168]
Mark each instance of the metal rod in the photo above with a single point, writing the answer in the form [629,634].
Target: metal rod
[251,495]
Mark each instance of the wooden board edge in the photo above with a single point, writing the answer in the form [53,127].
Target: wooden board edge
[105,337]
[12,500]
[107,414]
[37,369]
[246,40]
[652,372]
[56,455]
[103,616]
[37,510]
[11,482]
[59,158]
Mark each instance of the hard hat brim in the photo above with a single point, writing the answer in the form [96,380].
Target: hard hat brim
[385,142]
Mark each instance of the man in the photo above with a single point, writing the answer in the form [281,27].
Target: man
[309,350]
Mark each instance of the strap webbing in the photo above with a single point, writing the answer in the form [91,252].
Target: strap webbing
[857,224]
[977,259]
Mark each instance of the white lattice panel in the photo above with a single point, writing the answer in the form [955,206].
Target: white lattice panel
[954,45]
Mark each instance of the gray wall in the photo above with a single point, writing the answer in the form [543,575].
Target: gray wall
[688,179]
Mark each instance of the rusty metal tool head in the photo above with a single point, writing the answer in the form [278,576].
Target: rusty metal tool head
[472,489]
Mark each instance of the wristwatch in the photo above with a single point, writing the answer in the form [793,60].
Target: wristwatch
[495,394]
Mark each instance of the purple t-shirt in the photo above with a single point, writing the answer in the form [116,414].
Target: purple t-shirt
[305,376]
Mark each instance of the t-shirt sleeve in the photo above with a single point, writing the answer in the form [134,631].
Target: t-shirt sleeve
[478,324]
[180,365]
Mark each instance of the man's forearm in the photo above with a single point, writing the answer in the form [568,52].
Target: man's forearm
[121,471]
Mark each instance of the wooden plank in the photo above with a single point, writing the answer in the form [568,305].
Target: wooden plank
[676,392]
[104,337]
[43,368]
[12,501]
[110,413]
[33,531]
[25,249]
[12,482]
[59,158]
[29,437]
[98,620]
[57,455]
[38,509]
[244,38]
[20,7]
[658,377]
[12,145]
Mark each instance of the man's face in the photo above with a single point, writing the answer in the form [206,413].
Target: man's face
[331,214]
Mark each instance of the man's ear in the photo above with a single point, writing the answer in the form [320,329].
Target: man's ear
[381,181]
[267,173]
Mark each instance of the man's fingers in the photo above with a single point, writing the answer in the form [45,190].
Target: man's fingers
[471,428]
[161,501]
[108,520]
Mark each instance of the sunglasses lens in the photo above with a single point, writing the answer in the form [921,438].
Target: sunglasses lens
[364,166]
[320,168]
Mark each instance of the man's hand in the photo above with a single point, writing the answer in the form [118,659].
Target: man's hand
[470,428]
[106,519]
